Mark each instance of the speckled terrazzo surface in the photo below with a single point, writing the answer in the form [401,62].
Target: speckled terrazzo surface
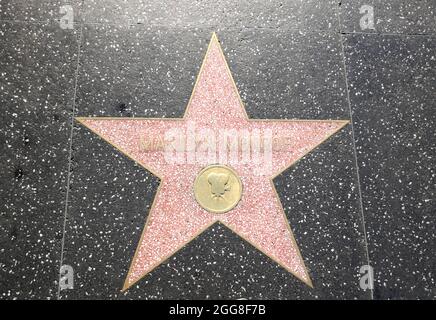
[365,196]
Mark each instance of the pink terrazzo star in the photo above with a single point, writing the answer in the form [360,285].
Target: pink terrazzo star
[175,217]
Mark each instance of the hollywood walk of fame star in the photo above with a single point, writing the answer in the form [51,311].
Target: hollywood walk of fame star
[175,217]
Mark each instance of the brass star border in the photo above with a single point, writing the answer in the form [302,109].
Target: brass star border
[95,124]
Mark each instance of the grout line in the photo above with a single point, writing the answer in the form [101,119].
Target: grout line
[216,27]
[29,22]
[388,34]
[70,152]
[356,163]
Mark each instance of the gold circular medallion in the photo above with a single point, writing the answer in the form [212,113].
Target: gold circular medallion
[217,188]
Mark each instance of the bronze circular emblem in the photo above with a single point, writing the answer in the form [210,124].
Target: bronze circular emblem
[217,188]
